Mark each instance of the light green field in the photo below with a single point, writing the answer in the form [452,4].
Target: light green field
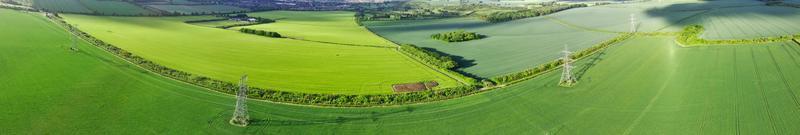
[205,9]
[277,63]
[329,26]
[510,46]
[644,86]
[107,7]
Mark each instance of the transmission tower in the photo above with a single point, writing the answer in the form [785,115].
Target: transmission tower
[240,117]
[633,23]
[566,77]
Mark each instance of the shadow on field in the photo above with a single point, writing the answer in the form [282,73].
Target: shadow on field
[703,9]
[462,62]
[373,116]
[588,65]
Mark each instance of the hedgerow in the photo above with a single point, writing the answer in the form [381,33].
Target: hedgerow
[260,32]
[442,62]
[690,37]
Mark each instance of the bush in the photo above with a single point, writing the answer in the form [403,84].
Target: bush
[457,36]
[260,32]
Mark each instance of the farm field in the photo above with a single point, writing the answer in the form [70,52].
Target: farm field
[107,7]
[274,63]
[189,9]
[330,26]
[646,85]
[69,6]
[650,16]
[748,22]
[510,47]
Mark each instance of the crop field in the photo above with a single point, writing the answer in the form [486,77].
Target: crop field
[748,22]
[189,9]
[115,7]
[276,63]
[646,85]
[71,6]
[330,26]
[650,16]
[510,46]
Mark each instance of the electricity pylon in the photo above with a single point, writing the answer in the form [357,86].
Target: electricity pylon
[240,117]
[567,80]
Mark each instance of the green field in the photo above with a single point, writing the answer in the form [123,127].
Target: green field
[328,26]
[203,9]
[748,22]
[510,46]
[69,6]
[646,85]
[107,7]
[276,63]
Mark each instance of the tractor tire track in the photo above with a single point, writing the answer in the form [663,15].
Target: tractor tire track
[738,93]
[784,80]
[767,108]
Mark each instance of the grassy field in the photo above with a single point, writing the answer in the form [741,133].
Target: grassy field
[278,63]
[187,9]
[510,46]
[664,89]
[107,7]
[329,26]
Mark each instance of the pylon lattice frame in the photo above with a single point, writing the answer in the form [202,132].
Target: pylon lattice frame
[240,116]
[567,80]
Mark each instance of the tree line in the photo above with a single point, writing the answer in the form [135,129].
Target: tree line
[533,72]
[260,32]
[273,94]
[690,36]
[442,62]
[457,36]
[519,14]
